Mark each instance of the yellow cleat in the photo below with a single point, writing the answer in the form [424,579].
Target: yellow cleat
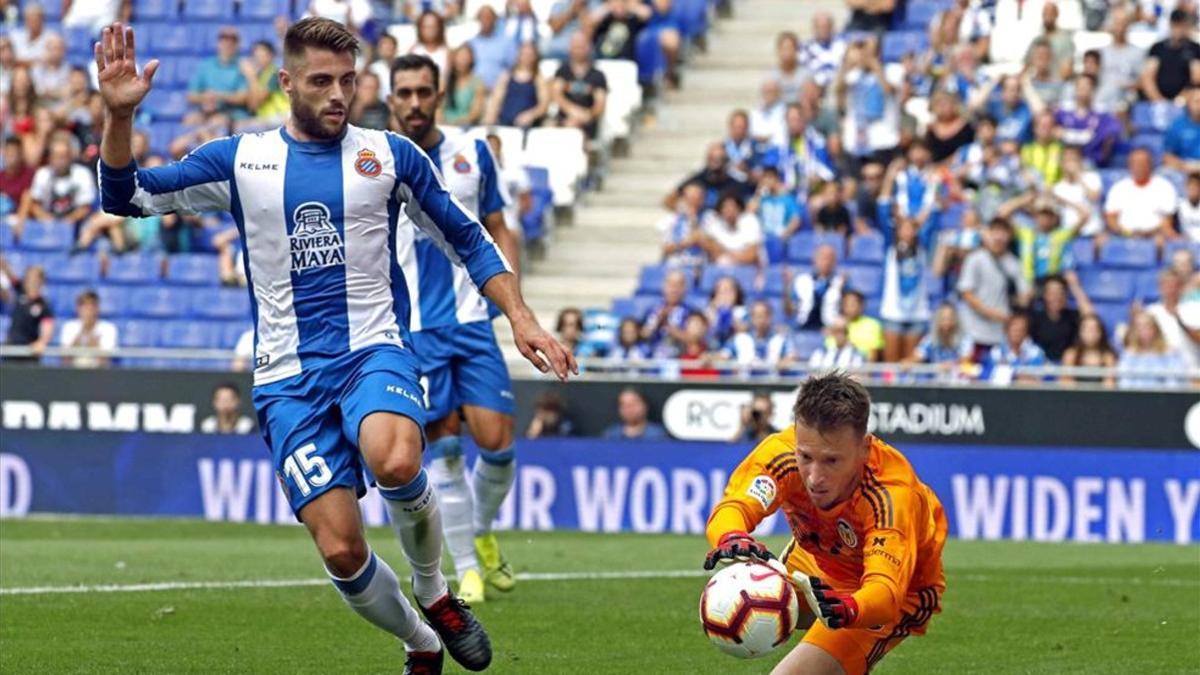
[470,587]
[496,570]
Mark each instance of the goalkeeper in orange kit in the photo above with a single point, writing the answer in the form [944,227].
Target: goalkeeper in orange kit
[867,534]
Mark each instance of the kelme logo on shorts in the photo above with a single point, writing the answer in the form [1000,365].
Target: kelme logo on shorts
[314,241]
[763,490]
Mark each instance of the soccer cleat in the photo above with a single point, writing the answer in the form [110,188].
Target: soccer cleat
[470,587]
[461,633]
[496,570]
[424,663]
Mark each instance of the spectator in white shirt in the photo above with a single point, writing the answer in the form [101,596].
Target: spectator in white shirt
[431,42]
[1188,213]
[823,54]
[95,14]
[29,42]
[350,13]
[88,330]
[759,344]
[243,353]
[837,353]
[227,417]
[768,121]
[1143,203]
[789,73]
[62,190]
[817,294]
[52,75]
[1179,335]
[733,236]
[1078,193]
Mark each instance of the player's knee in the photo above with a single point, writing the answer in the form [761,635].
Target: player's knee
[345,556]
[400,467]
[494,438]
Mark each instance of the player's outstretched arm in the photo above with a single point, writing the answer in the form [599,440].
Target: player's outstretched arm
[536,345]
[122,89]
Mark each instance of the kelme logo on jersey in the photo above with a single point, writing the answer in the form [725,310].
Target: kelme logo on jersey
[368,164]
[762,489]
[461,164]
[847,533]
[314,241]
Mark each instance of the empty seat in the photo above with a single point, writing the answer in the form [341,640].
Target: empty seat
[1108,285]
[82,268]
[62,298]
[650,280]
[232,331]
[5,323]
[1083,253]
[897,44]
[221,303]
[144,10]
[134,268]
[176,38]
[51,236]
[190,335]
[193,269]
[865,279]
[805,342]
[209,9]
[167,105]
[1128,253]
[163,302]
[114,301]
[866,249]
[561,152]
[1112,314]
[138,333]
[745,275]
[1145,287]
[636,307]
[267,9]
[775,281]
[1179,244]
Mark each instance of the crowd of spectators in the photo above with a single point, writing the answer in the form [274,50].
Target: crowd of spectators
[981,163]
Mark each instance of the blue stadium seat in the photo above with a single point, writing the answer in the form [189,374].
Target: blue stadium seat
[134,268]
[1178,244]
[1147,120]
[265,9]
[1109,177]
[190,335]
[193,269]
[211,10]
[257,32]
[8,237]
[802,244]
[1108,285]
[138,333]
[81,268]
[866,279]
[53,236]
[775,249]
[1083,252]
[1112,314]
[691,16]
[1146,287]
[177,38]
[221,303]
[1153,142]
[114,301]
[144,10]
[951,216]
[158,302]
[635,307]
[80,43]
[54,11]
[919,15]
[1128,253]
[697,300]
[62,298]
[897,44]
[775,283]
[867,249]
[805,342]
[5,322]
[650,280]
[166,105]
[745,275]
[231,332]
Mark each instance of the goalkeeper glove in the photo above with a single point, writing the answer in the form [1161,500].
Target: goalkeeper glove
[834,608]
[736,546]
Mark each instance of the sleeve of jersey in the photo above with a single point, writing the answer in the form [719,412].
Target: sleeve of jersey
[449,225]
[197,183]
[754,490]
[493,196]
[889,554]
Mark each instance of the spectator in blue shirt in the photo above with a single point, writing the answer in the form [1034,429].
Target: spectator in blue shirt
[1018,350]
[494,51]
[945,343]
[777,208]
[629,345]
[665,321]
[218,85]
[1182,142]
[634,424]
[1014,119]
[1147,360]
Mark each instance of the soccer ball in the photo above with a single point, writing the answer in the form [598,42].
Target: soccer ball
[748,609]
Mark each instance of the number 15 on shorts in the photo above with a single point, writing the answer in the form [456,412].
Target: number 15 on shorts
[306,472]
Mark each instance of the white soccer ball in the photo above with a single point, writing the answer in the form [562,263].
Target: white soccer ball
[748,609]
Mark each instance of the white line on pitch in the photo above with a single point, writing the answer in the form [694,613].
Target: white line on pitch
[547,576]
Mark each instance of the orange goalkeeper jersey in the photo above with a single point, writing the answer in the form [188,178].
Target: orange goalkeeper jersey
[890,532]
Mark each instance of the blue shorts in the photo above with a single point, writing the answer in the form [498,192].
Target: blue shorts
[462,365]
[310,421]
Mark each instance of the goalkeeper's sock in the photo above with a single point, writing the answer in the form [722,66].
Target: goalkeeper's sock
[494,473]
[374,593]
[418,523]
[448,472]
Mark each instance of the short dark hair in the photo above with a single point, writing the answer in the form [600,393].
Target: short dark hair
[1179,16]
[852,293]
[788,36]
[831,401]
[318,33]
[1001,223]
[562,318]
[416,62]
[228,385]
[266,44]
[87,295]
[986,119]
[1194,176]
[1094,54]
[731,195]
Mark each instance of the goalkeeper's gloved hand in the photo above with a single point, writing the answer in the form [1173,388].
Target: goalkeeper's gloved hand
[834,608]
[736,546]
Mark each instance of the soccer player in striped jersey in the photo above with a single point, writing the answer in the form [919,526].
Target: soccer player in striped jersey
[336,385]
[462,367]
[867,534]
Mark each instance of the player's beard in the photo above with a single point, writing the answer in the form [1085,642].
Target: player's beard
[418,129]
[311,122]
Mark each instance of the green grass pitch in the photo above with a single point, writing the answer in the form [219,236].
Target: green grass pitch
[1010,607]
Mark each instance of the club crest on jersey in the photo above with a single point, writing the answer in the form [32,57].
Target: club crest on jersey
[461,164]
[847,533]
[314,241]
[368,164]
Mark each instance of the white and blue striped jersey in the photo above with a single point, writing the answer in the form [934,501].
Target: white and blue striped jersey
[443,293]
[318,221]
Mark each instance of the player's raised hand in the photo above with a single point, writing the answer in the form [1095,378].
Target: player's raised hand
[542,350]
[121,87]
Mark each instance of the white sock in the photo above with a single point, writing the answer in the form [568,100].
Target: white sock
[448,472]
[413,510]
[494,473]
[374,593]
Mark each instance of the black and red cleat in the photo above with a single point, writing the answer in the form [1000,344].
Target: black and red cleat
[424,663]
[461,633]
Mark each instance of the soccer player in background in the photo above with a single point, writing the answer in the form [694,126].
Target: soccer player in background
[867,534]
[462,367]
[335,378]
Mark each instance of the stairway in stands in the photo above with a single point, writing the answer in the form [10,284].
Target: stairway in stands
[598,256]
